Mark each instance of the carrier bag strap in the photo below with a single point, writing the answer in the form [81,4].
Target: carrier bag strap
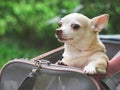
[29,81]
[111,82]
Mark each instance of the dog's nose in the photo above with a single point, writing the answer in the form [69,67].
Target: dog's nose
[58,32]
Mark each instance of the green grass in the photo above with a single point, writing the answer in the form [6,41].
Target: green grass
[12,49]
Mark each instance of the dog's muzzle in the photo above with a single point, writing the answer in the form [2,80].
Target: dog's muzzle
[59,35]
[58,32]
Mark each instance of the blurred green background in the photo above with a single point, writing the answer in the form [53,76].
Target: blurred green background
[27,26]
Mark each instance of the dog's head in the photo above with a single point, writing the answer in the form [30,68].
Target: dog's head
[74,27]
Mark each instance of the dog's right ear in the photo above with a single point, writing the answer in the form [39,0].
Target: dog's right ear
[99,22]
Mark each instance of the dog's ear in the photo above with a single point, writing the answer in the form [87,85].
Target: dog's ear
[99,22]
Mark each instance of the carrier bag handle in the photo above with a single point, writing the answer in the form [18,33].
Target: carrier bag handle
[113,77]
[112,81]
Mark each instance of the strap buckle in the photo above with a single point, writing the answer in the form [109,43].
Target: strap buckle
[38,63]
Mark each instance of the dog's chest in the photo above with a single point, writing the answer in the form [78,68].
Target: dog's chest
[76,58]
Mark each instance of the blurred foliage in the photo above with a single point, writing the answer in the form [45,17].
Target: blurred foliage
[29,19]
[32,23]
[93,8]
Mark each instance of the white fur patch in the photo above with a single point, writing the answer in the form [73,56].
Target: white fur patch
[90,69]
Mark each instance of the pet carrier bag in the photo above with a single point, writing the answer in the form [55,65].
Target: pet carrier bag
[43,75]
[27,75]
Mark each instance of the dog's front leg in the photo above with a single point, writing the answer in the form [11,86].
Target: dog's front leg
[97,64]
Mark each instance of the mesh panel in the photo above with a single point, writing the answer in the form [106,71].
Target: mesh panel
[13,75]
[54,57]
[112,49]
[66,81]
[118,86]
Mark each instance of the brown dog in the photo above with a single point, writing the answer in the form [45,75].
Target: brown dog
[83,47]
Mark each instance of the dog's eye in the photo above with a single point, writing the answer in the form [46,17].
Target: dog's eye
[75,26]
[59,24]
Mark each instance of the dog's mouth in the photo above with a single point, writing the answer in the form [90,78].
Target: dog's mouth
[64,39]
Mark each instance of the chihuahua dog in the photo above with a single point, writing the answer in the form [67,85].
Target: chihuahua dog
[83,48]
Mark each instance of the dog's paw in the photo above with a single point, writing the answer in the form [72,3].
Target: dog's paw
[90,69]
[61,63]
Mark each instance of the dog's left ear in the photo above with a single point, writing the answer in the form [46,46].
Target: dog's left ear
[99,22]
